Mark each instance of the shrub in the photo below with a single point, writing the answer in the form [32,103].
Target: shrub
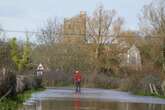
[7,82]
[140,83]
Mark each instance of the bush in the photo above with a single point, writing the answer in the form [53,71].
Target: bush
[57,78]
[140,83]
[105,81]
[27,82]
[125,84]
[7,82]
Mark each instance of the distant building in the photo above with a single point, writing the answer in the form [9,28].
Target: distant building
[129,54]
[75,29]
[132,58]
[40,70]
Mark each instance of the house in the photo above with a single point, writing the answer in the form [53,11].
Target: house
[132,58]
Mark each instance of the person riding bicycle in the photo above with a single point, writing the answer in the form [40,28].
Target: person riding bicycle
[77,81]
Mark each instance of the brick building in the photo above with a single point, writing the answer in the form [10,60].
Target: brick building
[75,29]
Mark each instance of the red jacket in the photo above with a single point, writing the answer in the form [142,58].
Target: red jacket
[77,77]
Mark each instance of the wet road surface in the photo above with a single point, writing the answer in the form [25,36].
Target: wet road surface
[91,99]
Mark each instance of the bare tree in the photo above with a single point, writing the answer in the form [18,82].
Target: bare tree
[51,33]
[152,19]
[101,26]
[2,33]
[152,23]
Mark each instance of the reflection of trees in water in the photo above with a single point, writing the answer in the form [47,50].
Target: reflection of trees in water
[156,107]
[138,106]
[39,106]
[77,103]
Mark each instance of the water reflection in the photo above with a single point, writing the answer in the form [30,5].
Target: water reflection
[39,107]
[77,101]
[79,104]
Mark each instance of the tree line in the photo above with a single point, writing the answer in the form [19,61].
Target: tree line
[98,58]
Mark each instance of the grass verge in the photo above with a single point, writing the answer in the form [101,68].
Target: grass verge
[149,94]
[12,103]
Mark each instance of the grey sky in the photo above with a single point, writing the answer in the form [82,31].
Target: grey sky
[30,14]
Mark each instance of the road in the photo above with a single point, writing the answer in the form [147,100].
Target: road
[92,93]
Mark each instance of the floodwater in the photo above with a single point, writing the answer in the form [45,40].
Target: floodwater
[90,99]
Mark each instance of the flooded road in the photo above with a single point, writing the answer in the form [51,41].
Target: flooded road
[90,99]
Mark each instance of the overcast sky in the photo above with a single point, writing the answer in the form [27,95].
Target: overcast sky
[30,14]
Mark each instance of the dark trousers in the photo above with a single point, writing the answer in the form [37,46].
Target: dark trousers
[78,86]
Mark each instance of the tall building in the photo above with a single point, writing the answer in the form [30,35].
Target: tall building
[75,29]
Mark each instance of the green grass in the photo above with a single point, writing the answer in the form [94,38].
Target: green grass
[12,103]
[149,94]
